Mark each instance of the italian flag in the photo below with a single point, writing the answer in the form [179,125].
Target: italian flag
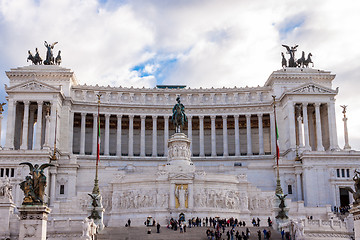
[277,143]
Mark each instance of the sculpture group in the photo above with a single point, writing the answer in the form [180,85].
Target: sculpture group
[179,117]
[50,60]
[34,185]
[293,62]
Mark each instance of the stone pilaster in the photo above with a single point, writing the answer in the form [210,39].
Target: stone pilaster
[131,136]
[166,135]
[190,130]
[142,135]
[201,135]
[306,126]
[301,141]
[10,128]
[118,135]
[33,222]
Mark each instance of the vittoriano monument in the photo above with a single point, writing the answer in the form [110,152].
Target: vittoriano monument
[34,185]
[179,117]
[293,62]
[50,60]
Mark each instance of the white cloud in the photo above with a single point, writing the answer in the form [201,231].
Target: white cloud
[215,43]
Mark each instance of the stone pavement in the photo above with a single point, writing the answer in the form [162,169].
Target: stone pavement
[196,233]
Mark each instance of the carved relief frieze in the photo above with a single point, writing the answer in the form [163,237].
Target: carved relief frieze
[136,199]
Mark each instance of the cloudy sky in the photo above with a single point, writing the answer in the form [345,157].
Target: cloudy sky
[196,43]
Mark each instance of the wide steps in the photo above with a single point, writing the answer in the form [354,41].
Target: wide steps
[195,233]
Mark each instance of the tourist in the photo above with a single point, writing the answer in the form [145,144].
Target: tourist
[253,222]
[228,235]
[247,233]
[269,222]
[258,222]
[184,227]
[149,231]
[158,228]
[181,227]
[282,234]
[129,222]
[206,221]
[264,231]
[259,234]
[268,234]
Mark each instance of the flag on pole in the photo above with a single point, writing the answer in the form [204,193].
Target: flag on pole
[277,143]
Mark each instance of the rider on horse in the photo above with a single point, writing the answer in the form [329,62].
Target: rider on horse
[179,117]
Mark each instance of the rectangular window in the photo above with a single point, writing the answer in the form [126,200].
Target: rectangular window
[342,172]
[62,189]
[7,172]
[12,172]
[289,189]
[338,172]
[348,172]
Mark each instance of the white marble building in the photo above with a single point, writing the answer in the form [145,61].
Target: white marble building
[232,133]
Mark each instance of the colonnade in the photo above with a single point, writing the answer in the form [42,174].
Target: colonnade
[21,129]
[165,134]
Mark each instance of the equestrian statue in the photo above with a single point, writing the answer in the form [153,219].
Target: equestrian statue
[179,117]
[293,62]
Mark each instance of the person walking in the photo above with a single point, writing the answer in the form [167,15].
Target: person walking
[259,234]
[129,222]
[158,228]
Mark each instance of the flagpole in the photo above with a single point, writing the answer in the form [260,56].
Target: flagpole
[278,184]
[96,189]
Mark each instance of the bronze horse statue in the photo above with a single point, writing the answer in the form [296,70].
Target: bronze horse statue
[179,117]
[34,59]
[308,60]
[300,62]
[356,193]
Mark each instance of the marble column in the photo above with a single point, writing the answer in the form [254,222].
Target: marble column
[39,125]
[190,196]
[333,125]
[82,133]
[190,131]
[213,136]
[52,123]
[300,131]
[154,136]
[107,134]
[53,185]
[225,136]
[71,130]
[237,136]
[94,134]
[298,186]
[306,126]
[261,134]
[201,136]
[291,117]
[142,135]
[272,134]
[166,135]
[10,128]
[31,127]
[118,135]
[248,134]
[319,143]
[47,132]
[25,128]
[172,196]
[346,135]
[131,136]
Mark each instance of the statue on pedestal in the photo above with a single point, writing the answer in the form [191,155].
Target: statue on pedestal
[181,194]
[282,213]
[34,186]
[6,190]
[179,117]
[49,54]
[293,62]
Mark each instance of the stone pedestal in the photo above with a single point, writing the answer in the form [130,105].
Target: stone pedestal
[33,222]
[6,211]
[179,154]
[355,211]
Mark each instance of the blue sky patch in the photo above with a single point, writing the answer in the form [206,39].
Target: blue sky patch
[290,25]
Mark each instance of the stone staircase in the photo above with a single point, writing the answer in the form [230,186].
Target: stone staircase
[195,233]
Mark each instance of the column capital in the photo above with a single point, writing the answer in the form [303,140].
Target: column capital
[236,116]
[304,104]
[166,117]
[40,103]
[142,117]
[299,118]
[201,116]
[107,115]
[131,116]
[189,117]
[95,114]
[26,102]
[213,117]
[154,117]
[317,104]
[83,114]
[224,117]
[260,115]
[119,116]
[248,115]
